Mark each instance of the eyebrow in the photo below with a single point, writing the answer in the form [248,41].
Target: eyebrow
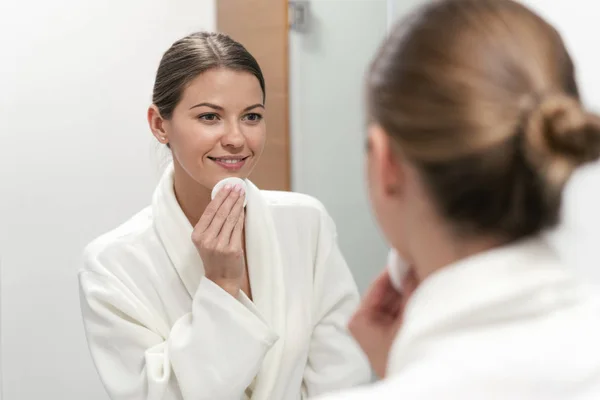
[216,107]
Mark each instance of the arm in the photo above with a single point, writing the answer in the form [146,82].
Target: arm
[213,352]
[335,360]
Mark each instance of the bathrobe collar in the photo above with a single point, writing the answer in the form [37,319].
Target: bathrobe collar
[518,280]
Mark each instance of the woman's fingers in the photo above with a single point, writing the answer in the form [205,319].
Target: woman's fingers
[237,234]
[225,235]
[410,282]
[212,209]
[384,301]
[222,213]
[378,290]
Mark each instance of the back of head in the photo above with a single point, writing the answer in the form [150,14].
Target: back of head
[480,95]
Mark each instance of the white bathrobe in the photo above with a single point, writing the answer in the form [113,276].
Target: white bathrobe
[508,324]
[158,330]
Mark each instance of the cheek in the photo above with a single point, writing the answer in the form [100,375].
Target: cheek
[192,137]
[371,180]
[387,217]
[378,206]
[256,138]
[381,204]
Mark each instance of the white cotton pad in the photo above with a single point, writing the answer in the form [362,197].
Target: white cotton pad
[231,181]
[397,269]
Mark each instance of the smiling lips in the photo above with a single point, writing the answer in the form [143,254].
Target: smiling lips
[230,163]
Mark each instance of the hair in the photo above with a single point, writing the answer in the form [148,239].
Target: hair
[480,96]
[191,56]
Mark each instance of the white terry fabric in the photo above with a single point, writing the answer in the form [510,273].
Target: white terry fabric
[157,329]
[511,323]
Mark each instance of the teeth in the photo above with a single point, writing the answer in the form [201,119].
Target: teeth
[228,161]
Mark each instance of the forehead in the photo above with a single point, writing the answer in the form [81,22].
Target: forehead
[224,87]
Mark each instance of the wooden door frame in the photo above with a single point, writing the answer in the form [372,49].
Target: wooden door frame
[262,27]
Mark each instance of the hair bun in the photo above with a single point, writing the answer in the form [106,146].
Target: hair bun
[561,135]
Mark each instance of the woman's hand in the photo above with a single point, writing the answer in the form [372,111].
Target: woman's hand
[218,238]
[379,317]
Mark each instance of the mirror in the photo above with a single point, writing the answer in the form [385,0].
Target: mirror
[79,159]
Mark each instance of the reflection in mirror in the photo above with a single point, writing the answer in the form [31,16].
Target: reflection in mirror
[76,147]
[198,296]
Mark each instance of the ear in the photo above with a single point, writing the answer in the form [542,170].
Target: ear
[387,168]
[157,125]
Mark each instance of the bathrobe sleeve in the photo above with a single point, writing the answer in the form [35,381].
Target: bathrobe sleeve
[335,360]
[213,352]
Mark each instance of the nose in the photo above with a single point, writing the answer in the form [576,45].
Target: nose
[233,137]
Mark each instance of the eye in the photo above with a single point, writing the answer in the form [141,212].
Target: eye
[253,117]
[210,117]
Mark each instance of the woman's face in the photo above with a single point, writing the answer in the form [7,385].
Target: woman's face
[218,129]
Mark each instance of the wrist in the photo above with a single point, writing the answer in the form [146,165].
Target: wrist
[231,287]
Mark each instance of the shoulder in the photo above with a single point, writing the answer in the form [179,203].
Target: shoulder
[293,201]
[298,209]
[119,243]
[421,386]
[381,390]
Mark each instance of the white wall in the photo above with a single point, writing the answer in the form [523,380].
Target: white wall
[75,160]
[401,8]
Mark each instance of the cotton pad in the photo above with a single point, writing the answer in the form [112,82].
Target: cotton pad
[231,181]
[397,269]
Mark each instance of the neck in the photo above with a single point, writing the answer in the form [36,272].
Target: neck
[433,246]
[193,198]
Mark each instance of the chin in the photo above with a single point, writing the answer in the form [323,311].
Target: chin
[229,174]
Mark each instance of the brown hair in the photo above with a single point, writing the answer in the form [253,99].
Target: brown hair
[480,95]
[192,55]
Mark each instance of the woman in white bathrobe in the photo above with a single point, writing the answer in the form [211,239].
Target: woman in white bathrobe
[476,125]
[199,299]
